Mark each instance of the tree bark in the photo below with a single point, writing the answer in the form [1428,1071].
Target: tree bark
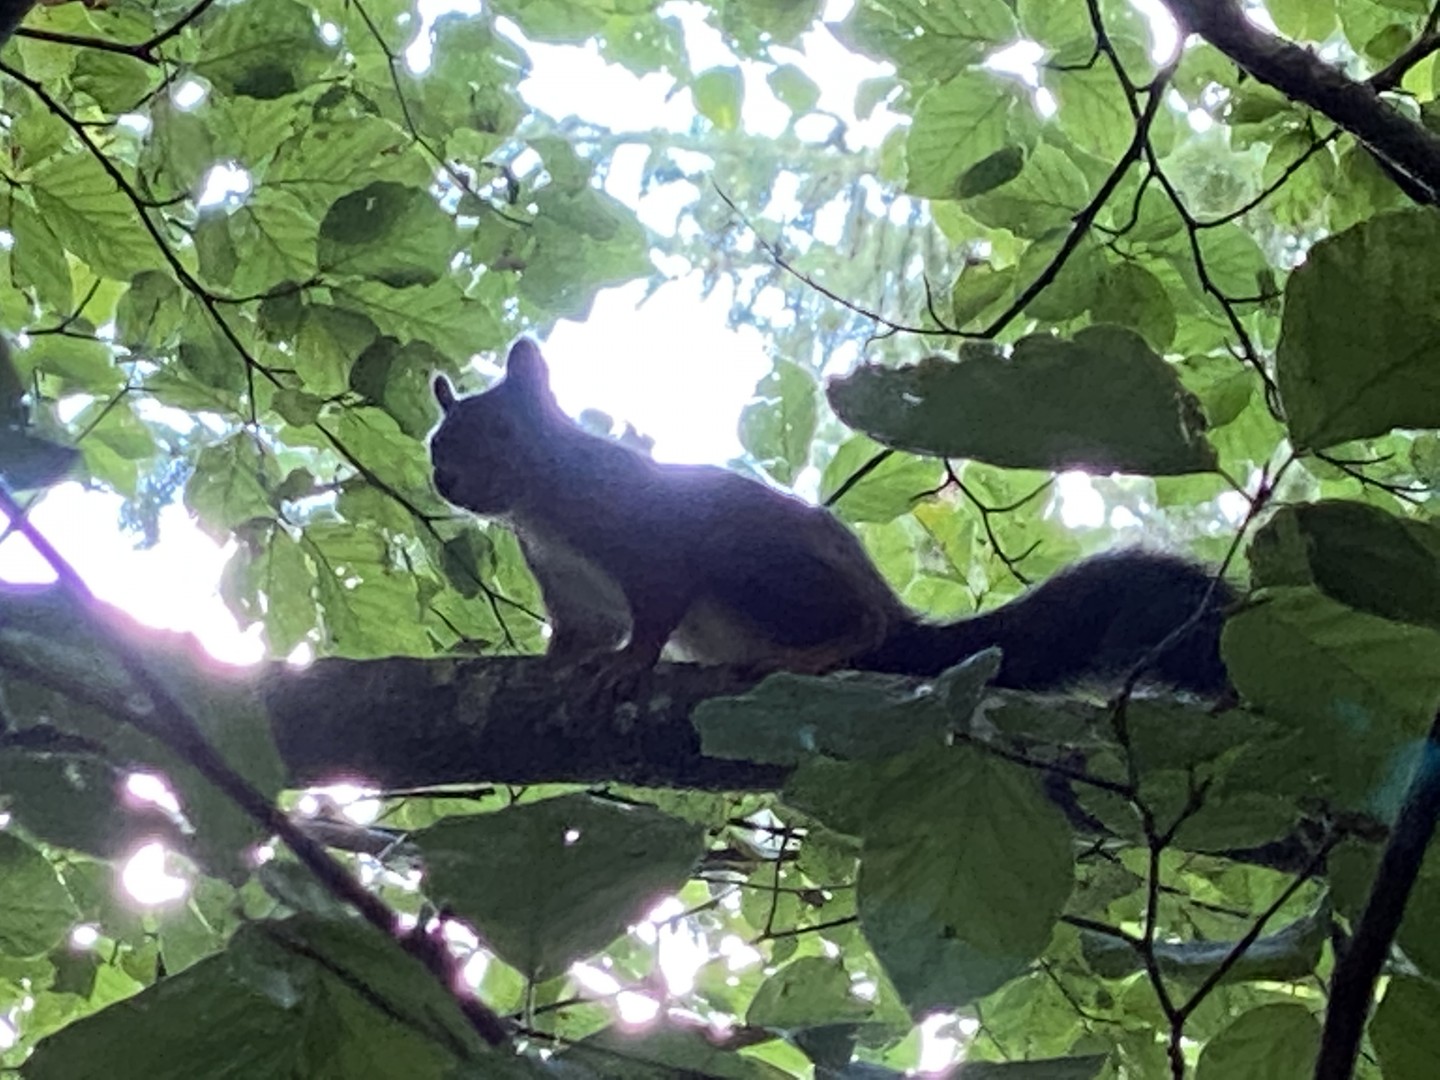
[1303,77]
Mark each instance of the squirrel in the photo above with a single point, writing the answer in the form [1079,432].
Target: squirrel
[632,556]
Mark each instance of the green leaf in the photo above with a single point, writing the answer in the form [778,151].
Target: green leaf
[390,232]
[957,126]
[796,90]
[81,364]
[67,800]
[1053,24]
[37,258]
[36,910]
[978,288]
[1067,1068]
[661,1053]
[1352,874]
[150,312]
[88,214]
[852,715]
[885,491]
[1131,296]
[440,314]
[1273,1042]
[397,378]
[1403,1029]
[806,993]
[582,240]
[276,233]
[1094,110]
[1365,558]
[471,85]
[992,172]
[719,95]
[1303,20]
[1360,332]
[552,882]
[1044,196]
[1358,690]
[209,356]
[296,998]
[776,428]
[280,584]
[928,43]
[297,407]
[1284,956]
[116,82]
[965,868]
[766,21]
[1068,292]
[231,484]
[1103,402]
[321,162]
[263,49]
[328,341]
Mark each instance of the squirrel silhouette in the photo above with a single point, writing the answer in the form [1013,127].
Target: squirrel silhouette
[632,556]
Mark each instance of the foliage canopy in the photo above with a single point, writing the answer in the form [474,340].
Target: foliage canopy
[242,237]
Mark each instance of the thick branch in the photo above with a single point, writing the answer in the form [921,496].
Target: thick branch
[1353,984]
[395,724]
[1303,77]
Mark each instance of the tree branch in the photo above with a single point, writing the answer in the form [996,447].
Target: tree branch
[1303,77]
[405,722]
[1353,984]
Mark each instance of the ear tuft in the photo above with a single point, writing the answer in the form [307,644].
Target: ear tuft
[526,367]
[444,393]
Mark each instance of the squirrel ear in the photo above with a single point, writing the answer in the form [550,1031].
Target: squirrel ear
[444,393]
[526,367]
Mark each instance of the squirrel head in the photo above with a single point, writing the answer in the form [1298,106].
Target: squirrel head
[491,447]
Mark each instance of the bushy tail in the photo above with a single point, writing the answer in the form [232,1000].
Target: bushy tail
[1093,622]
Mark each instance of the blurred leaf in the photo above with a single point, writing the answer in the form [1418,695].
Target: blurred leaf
[794,88]
[776,428]
[719,95]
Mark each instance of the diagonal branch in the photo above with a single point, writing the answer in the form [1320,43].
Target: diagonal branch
[1303,77]
[169,720]
[1353,984]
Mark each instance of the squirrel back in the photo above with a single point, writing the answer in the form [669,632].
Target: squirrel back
[632,555]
